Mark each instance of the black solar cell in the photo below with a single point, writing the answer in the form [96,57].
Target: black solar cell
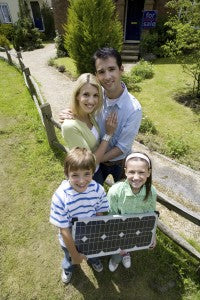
[106,235]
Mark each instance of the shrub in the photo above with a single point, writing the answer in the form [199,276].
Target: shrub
[4,42]
[143,70]
[147,126]
[156,37]
[47,15]
[26,35]
[60,49]
[61,68]
[7,30]
[131,81]
[176,147]
[91,24]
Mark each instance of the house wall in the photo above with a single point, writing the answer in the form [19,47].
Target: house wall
[14,7]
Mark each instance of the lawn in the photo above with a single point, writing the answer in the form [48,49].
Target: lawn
[30,255]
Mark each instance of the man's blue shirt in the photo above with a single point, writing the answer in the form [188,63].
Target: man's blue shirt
[129,114]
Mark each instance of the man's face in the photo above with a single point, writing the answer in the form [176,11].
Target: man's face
[109,74]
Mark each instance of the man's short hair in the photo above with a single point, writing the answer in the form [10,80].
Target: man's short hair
[79,159]
[106,52]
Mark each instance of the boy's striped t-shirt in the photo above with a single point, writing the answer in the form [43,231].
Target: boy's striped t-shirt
[67,203]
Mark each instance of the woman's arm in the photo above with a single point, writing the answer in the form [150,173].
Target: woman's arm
[77,257]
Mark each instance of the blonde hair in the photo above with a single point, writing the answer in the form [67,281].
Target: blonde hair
[83,79]
[79,159]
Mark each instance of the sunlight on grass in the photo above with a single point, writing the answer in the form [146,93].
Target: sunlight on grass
[69,65]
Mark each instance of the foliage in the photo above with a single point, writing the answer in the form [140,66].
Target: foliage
[4,42]
[91,24]
[176,147]
[147,126]
[26,35]
[185,47]
[47,15]
[152,41]
[143,70]
[60,49]
[7,30]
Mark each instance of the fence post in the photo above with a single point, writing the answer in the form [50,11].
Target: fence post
[50,130]
[19,56]
[8,56]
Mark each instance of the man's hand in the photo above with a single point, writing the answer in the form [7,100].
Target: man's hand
[78,259]
[111,123]
[66,114]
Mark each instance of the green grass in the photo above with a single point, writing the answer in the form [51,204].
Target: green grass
[69,65]
[172,119]
[30,254]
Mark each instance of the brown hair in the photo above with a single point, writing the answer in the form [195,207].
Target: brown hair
[148,182]
[79,158]
[83,79]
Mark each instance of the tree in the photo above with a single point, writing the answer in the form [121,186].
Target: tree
[184,45]
[47,15]
[91,24]
[26,35]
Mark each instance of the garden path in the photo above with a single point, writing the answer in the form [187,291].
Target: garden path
[56,89]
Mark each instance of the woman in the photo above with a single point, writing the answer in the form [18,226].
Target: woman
[83,131]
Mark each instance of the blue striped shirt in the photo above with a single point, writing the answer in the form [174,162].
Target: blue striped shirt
[67,204]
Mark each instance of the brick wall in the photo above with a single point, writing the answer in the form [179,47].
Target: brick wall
[60,14]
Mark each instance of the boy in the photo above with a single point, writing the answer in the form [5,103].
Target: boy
[78,196]
[108,70]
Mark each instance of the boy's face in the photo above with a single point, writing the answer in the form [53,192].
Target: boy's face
[109,74]
[137,173]
[80,179]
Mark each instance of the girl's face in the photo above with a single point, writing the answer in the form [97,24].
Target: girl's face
[137,173]
[88,98]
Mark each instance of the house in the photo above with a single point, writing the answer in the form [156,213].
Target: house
[136,16]
[9,10]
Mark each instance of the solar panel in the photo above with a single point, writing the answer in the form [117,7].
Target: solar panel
[107,235]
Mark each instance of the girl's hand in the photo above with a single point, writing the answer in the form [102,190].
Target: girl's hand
[78,259]
[153,244]
[111,123]
[66,114]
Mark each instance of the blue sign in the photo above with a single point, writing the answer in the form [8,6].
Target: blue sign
[149,19]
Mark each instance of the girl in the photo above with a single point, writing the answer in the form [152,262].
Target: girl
[83,131]
[134,195]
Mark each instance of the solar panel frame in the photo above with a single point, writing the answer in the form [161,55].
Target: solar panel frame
[107,235]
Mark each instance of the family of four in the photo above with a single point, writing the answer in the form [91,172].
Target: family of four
[99,129]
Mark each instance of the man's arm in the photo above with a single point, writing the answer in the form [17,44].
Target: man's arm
[77,257]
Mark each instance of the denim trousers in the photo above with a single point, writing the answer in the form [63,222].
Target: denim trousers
[117,171]
[67,262]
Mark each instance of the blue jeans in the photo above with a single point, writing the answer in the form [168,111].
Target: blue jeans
[67,262]
[117,171]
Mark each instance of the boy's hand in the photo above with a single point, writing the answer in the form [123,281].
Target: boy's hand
[111,123]
[78,259]
[65,114]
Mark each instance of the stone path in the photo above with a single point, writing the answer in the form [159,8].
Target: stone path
[56,89]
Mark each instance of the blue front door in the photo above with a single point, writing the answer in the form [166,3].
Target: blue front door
[133,19]
[35,7]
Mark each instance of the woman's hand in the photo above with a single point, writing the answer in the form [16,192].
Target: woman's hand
[66,114]
[111,123]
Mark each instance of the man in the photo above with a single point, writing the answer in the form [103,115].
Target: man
[108,66]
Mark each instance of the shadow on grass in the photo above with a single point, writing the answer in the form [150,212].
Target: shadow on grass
[189,100]
[157,274]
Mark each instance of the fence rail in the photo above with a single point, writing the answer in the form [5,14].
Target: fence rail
[44,110]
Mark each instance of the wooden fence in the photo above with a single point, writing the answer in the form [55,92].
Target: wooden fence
[44,110]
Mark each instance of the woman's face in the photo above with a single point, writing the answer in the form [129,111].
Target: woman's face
[88,98]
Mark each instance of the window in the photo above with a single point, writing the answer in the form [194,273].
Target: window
[5,14]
